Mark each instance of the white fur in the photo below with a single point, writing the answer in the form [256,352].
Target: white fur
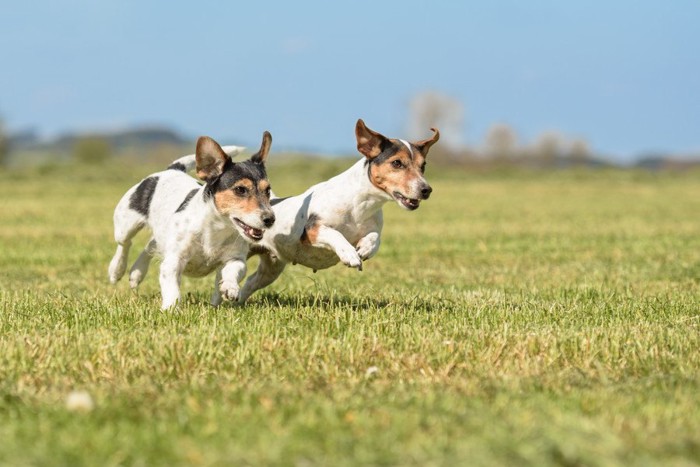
[194,241]
[349,207]
[410,149]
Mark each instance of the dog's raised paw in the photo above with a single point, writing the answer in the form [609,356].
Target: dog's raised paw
[350,258]
[367,248]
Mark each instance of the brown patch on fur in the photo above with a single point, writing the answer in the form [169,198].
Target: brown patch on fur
[263,186]
[369,142]
[245,182]
[227,201]
[310,234]
[424,145]
[210,158]
[388,178]
[260,156]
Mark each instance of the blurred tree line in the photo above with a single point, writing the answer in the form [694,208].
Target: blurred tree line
[4,145]
[501,145]
[152,143]
[92,150]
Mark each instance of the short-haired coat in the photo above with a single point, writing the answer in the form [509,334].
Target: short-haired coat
[196,229]
[341,219]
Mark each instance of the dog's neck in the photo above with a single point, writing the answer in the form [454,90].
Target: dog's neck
[217,228]
[361,193]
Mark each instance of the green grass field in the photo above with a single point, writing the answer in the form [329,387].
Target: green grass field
[516,318]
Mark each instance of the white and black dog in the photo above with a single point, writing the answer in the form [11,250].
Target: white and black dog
[196,229]
[341,219]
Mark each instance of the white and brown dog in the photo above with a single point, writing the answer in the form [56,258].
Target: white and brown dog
[341,219]
[196,229]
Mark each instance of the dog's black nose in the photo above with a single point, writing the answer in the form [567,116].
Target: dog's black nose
[426,191]
[269,220]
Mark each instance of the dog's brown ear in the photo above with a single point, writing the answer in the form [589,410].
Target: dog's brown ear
[424,146]
[210,158]
[369,142]
[261,156]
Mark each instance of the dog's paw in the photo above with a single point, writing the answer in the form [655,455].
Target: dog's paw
[117,268]
[367,247]
[230,291]
[350,257]
[168,303]
[135,278]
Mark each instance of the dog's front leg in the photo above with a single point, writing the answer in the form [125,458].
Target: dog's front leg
[231,275]
[170,274]
[368,245]
[331,239]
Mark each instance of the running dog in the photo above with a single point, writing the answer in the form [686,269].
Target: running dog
[341,219]
[196,229]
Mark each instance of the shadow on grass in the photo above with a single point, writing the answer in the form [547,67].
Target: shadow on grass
[271,299]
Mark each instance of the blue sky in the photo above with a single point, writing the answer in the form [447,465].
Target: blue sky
[624,75]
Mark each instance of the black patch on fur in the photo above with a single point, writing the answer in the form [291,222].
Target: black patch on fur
[275,201]
[388,151]
[189,196]
[140,200]
[233,172]
[177,166]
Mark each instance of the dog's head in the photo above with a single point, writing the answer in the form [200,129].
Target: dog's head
[396,166]
[240,190]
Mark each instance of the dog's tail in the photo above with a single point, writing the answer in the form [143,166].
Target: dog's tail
[189,162]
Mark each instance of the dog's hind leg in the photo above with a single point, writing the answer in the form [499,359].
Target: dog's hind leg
[140,267]
[216,294]
[127,223]
[268,271]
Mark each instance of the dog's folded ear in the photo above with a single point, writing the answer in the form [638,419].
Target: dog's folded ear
[210,158]
[369,142]
[261,156]
[424,145]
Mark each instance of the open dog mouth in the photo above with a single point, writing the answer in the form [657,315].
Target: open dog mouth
[408,203]
[252,233]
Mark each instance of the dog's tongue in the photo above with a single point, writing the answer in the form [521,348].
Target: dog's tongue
[255,233]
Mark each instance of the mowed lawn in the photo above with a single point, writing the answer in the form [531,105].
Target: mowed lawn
[530,318]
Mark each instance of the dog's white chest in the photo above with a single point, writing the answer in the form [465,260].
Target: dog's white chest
[211,250]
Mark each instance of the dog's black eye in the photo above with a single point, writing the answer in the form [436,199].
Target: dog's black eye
[268,191]
[422,167]
[240,190]
[397,164]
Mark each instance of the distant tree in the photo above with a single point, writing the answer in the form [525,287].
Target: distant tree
[433,109]
[4,145]
[548,148]
[501,143]
[579,152]
[92,150]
